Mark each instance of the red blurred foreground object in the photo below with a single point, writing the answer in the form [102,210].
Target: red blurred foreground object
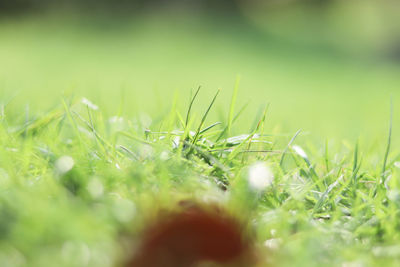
[194,236]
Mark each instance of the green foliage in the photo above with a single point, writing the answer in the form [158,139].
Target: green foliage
[78,181]
[75,184]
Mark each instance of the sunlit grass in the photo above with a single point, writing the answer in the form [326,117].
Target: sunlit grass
[100,129]
[75,184]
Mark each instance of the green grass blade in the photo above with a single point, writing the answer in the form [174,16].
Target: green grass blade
[287,147]
[204,118]
[232,106]
[190,106]
[389,141]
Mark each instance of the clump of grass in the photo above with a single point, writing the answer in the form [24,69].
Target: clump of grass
[74,184]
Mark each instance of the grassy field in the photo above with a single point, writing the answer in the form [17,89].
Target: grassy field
[90,110]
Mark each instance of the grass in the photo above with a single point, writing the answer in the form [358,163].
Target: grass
[142,61]
[79,179]
[75,184]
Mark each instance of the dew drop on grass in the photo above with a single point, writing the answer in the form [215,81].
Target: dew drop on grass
[124,210]
[95,188]
[64,164]
[273,243]
[79,252]
[116,119]
[89,103]
[164,155]
[273,232]
[300,151]
[175,142]
[260,176]
[117,123]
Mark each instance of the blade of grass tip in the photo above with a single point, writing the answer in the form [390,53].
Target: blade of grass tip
[389,141]
[72,121]
[263,122]
[257,119]
[240,112]
[233,121]
[60,124]
[39,123]
[260,125]
[313,174]
[210,127]
[237,149]
[260,122]
[99,139]
[232,105]
[356,168]
[210,134]
[355,163]
[287,148]
[190,106]
[180,119]
[128,151]
[204,118]
[326,194]
[135,138]
[186,135]
[326,156]
[185,138]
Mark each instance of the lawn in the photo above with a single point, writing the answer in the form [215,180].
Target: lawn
[90,114]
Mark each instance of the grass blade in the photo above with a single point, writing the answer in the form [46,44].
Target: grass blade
[190,106]
[232,106]
[287,147]
[204,118]
[389,141]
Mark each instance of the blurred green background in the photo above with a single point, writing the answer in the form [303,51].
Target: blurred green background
[329,68]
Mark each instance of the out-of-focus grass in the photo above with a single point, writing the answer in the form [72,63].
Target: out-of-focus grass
[76,180]
[145,59]
[77,186]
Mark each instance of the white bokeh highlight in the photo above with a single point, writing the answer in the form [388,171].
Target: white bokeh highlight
[64,164]
[260,176]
